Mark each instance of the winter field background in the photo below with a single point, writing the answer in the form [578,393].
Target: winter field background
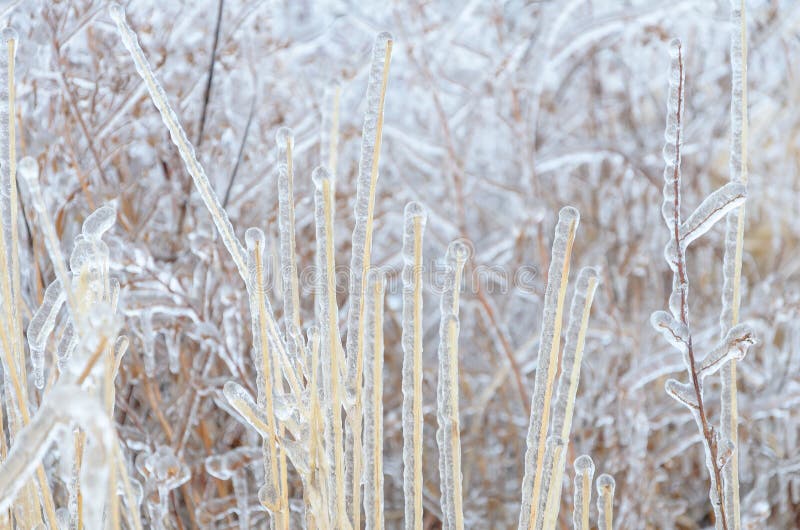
[496,115]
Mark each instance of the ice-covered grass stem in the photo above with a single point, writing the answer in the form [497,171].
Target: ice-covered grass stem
[360,261]
[732,260]
[547,365]
[448,435]
[415,219]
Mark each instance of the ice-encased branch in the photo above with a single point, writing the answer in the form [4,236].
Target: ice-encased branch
[549,343]
[712,209]
[733,347]
[413,231]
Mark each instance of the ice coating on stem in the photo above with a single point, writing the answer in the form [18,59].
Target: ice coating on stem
[670,209]
[557,277]
[733,346]
[244,404]
[40,327]
[29,171]
[605,502]
[712,209]
[331,351]
[584,473]
[270,494]
[732,260]
[360,260]
[674,331]
[64,405]
[413,231]
[284,140]
[148,343]
[179,138]
[373,402]
[567,391]
[448,435]
[99,222]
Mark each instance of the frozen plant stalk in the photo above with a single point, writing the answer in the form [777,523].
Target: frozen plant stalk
[373,409]
[557,277]
[414,227]
[448,436]
[584,472]
[605,502]
[567,391]
[732,261]
[360,262]
[332,362]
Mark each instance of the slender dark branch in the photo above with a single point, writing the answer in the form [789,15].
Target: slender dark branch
[683,283]
[187,188]
[241,149]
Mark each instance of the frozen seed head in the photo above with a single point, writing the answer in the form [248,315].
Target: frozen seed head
[320,176]
[10,34]
[117,12]
[583,465]
[283,137]
[254,236]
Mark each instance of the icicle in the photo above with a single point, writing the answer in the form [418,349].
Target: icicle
[360,262]
[148,343]
[41,326]
[373,403]
[549,345]
[584,472]
[605,502]
[414,228]
[244,404]
[567,391]
[99,222]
